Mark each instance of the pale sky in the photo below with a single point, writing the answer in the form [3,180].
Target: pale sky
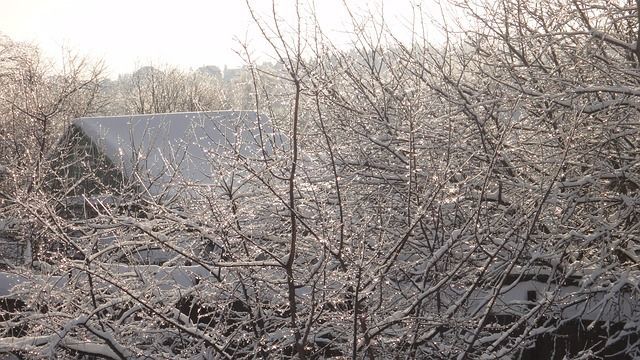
[127,34]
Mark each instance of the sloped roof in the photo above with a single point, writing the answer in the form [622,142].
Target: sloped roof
[181,146]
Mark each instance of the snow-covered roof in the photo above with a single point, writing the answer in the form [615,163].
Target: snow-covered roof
[8,281]
[181,146]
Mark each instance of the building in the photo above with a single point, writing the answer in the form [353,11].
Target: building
[156,152]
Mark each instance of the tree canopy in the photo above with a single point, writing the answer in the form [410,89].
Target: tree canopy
[473,196]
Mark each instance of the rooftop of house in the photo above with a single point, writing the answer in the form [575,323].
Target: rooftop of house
[190,147]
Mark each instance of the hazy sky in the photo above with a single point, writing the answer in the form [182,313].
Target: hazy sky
[127,34]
